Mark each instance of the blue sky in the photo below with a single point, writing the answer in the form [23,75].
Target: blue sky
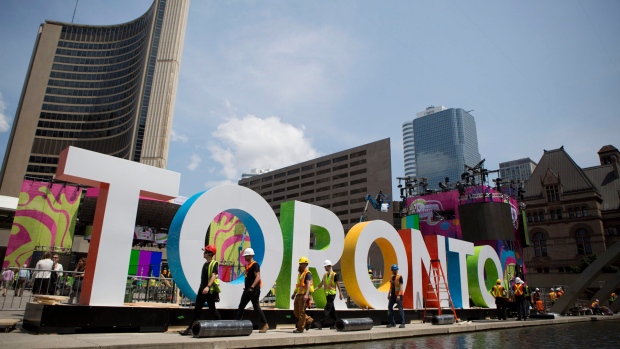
[266,84]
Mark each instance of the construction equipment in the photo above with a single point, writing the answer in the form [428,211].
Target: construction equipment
[382,203]
[437,287]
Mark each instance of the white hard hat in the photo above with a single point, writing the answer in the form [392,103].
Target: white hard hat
[518,280]
[248,252]
[327,262]
[558,289]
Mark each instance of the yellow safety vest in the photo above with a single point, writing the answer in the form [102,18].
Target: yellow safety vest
[300,288]
[552,296]
[330,285]
[396,282]
[498,291]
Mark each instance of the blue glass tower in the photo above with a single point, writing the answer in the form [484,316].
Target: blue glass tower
[445,141]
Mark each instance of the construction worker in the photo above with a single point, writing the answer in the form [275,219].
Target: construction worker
[329,283]
[519,291]
[206,291]
[611,299]
[527,299]
[301,295]
[537,301]
[395,296]
[500,301]
[559,292]
[596,308]
[552,296]
[251,292]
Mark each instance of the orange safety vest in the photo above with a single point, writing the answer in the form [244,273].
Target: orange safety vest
[498,291]
[300,287]
[518,289]
[396,282]
[247,268]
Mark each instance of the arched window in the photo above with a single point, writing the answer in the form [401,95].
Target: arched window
[552,212]
[583,241]
[535,214]
[529,218]
[542,216]
[540,245]
[559,213]
[578,212]
[571,213]
[585,211]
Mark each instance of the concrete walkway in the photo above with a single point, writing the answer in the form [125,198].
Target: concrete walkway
[281,337]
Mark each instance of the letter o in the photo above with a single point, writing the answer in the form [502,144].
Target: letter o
[189,226]
[355,268]
[483,260]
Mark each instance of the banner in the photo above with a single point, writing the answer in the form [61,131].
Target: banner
[44,220]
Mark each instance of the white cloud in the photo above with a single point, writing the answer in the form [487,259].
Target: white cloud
[241,144]
[195,162]
[4,120]
[175,137]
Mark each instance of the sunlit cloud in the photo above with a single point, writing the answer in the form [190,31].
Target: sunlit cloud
[242,144]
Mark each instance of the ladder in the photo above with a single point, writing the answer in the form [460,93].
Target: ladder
[437,286]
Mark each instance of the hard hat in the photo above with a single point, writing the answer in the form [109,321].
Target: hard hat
[518,280]
[327,262]
[248,252]
[304,260]
[612,294]
[210,248]
[558,289]
[596,300]
[498,281]
[370,270]
[536,289]
[394,267]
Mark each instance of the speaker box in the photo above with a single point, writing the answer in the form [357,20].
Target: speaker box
[486,221]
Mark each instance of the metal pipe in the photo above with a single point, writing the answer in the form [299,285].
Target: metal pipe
[356,324]
[221,328]
[442,319]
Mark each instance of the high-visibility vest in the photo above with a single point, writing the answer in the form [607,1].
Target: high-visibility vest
[594,305]
[396,282]
[330,285]
[247,269]
[498,291]
[300,288]
[527,290]
[552,296]
[518,289]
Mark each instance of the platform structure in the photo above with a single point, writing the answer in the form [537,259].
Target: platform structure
[65,318]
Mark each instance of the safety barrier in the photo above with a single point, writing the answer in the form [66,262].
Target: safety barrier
[355,324]
[221,328]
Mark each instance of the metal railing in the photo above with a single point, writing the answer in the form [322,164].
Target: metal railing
[21,290]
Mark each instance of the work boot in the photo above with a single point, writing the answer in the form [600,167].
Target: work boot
[297,331]
[264,328]
[318,325]
[402,326]
[390,325]
[186,332]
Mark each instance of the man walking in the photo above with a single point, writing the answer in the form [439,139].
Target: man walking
[23,277]
[301,295]
[206,293]
[251,292]
[500,302]
[395,296]
[519,292]
[329,283]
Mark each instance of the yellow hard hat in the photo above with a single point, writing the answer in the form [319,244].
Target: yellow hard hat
[498,281]
[304,260]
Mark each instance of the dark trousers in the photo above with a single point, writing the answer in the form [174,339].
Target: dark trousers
[209,298]
[500,303]
[41,286]
[391,304]
[521,313]
[253,297]
[330,309]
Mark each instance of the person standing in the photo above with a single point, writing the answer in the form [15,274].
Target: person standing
[206,292]
[8,275]
[78,277]
[519,292]
[612,299]
[395,296]
[329,283]
[537,301]
[301,295]
[42,274]
[23,277]
[552,296]
[500,301]
[251,292]
[56,277]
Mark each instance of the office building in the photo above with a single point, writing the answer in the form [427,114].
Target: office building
[444,140]
[516,170]
[338,182]
[109,89]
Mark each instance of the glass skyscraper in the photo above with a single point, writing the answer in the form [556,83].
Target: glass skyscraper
[444,141]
